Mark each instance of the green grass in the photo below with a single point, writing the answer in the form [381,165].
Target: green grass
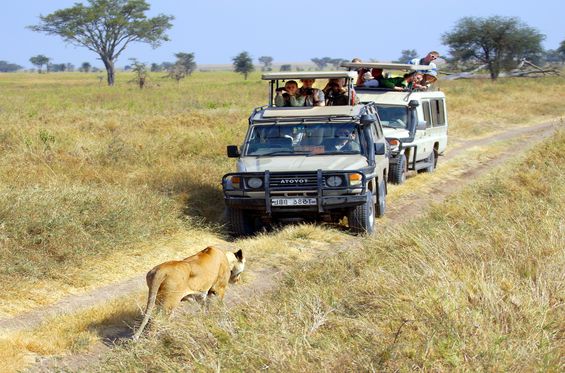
[475,285]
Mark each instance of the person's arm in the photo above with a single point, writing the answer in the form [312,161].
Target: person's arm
[297,100]
[279,100]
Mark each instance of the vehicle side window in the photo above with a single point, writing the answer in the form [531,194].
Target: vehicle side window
[438,113]
[426,110]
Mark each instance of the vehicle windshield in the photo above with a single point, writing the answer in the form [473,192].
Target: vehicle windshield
[393,116]
[303,139]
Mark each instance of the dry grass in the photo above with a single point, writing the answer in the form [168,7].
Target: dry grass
[75,333]
[83,166]
[64,335]
[476,285]
[479,107]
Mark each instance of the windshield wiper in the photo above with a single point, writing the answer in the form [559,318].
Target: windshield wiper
[286,152]
[340,152]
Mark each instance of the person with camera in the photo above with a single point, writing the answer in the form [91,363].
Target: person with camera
[335,93]
[289,96]
[312,96]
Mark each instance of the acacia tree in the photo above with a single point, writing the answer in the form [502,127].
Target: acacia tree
[183,66]
[561,50]
[406,55]
[498,42]
[39,61]
[267,62]
[243,64]
[321,62]
[85,67]
[106,27]
[186,62]
[140,70]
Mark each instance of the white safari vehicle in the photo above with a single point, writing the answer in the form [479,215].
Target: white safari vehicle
[308,163]
[414,122]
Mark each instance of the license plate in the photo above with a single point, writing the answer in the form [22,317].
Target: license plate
[294,202]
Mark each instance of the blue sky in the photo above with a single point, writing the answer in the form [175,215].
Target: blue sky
[290,31]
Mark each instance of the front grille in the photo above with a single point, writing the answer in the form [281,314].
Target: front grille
[293,181]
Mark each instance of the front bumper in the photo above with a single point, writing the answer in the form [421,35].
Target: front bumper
[315,186]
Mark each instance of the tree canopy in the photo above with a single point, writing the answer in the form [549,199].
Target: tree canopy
[561,49]
[184,66]
[186,61]
[39,61]
[498,42]
[243,64]
[106,27]
[267,62]
[407,55]
[7,67]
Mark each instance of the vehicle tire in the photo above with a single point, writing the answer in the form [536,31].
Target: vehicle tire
[239,222]
[380,206]
[362,218]
[432,158]
[398,170]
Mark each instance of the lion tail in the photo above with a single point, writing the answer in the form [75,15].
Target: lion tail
[154,280]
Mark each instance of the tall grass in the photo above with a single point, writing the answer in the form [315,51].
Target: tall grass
[476,285]
[86,170]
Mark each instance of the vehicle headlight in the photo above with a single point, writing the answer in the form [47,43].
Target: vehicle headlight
[334,181]
[355,179]
[254,182]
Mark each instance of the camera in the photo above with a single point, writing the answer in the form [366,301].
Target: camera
[308,91]
[280,89]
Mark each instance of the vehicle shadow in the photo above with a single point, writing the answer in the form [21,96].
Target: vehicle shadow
[203,202]
[199,200]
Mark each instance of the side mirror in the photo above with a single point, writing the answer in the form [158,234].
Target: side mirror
[233,151]
[413,104]
[422,125]
[367,119]
[380,148]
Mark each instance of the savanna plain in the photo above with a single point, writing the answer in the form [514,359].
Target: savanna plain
[99,184]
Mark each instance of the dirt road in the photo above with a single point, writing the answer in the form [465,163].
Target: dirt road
[265,279]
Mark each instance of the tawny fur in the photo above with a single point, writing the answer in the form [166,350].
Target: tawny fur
[208,271]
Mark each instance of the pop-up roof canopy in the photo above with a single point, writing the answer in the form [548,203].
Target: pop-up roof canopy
[384,65]
[309,75]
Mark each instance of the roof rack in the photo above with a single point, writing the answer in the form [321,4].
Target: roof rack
[309,114]
[309,75]
[384,65]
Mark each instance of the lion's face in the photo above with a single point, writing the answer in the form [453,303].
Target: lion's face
[238,267]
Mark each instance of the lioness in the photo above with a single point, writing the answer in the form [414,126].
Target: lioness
[208,271]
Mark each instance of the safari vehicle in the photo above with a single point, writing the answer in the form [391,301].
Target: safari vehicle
[317,163]
[414,122]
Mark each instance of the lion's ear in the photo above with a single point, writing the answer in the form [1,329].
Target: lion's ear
[239,255]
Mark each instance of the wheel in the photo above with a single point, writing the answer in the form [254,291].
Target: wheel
[239,222]
[380,206]
[432,159]
[398,170]
[362,218]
